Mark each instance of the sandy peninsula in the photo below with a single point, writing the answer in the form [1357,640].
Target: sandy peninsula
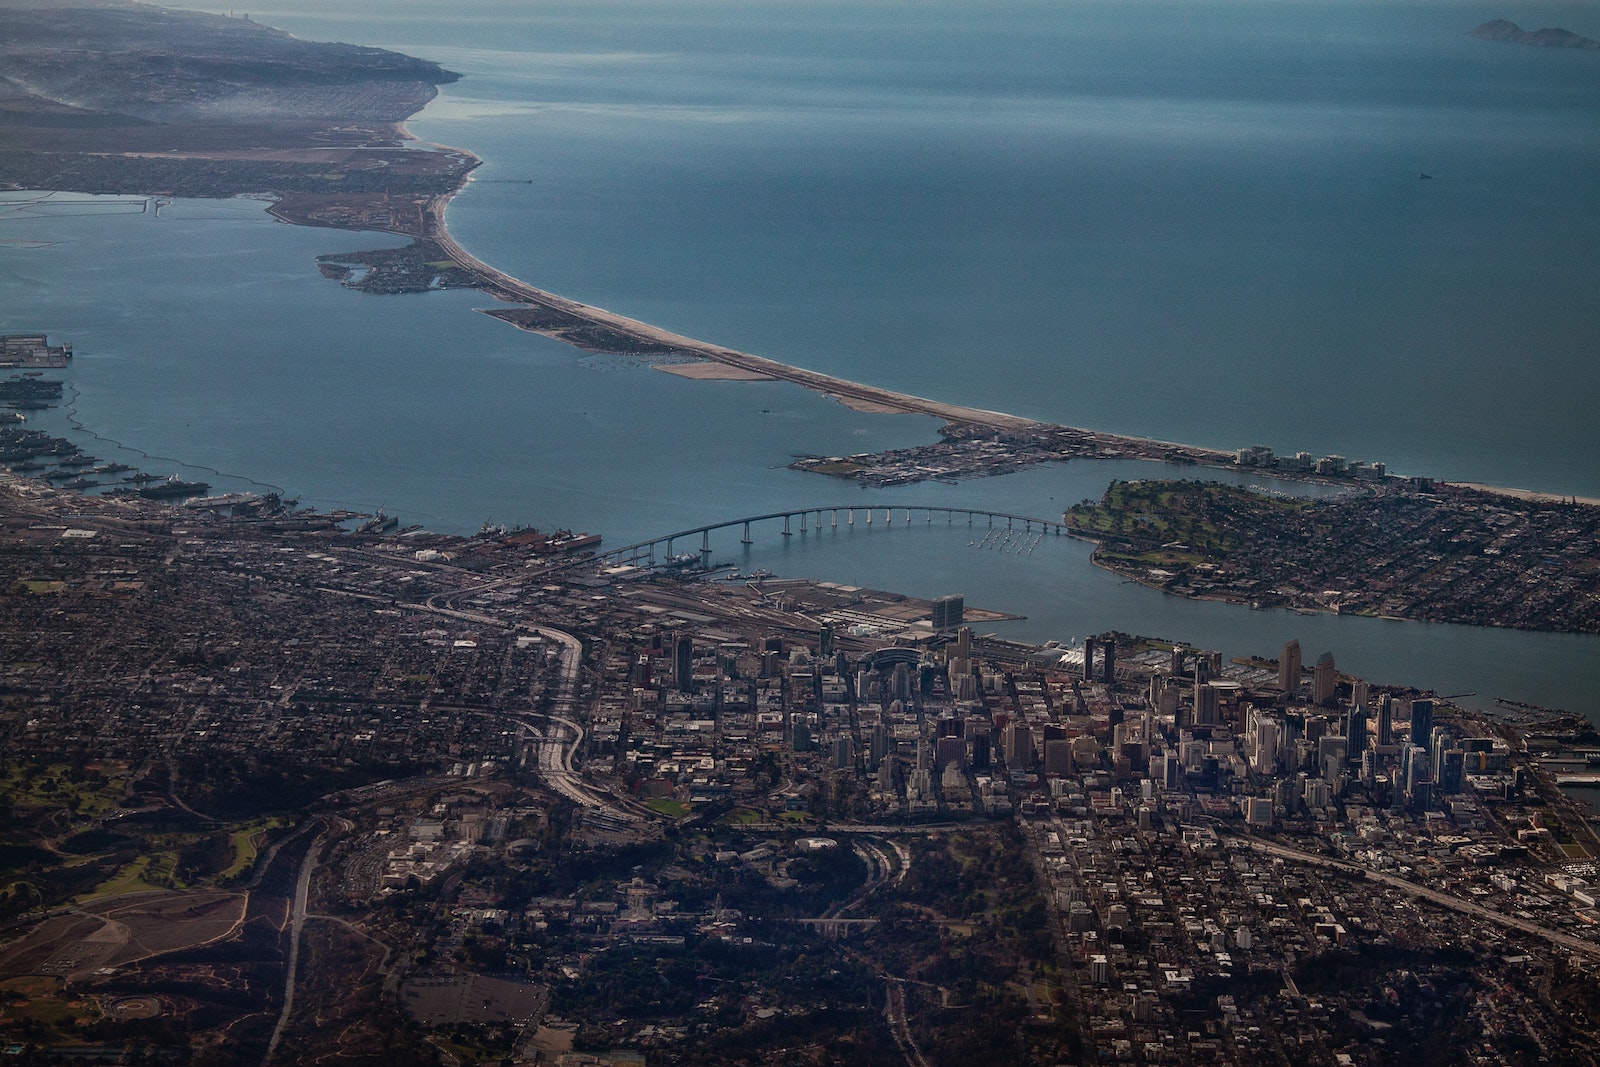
[122,97]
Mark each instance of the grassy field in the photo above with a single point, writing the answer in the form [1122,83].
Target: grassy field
[246,841]
[672,809]
[32,985]
[1176,523]
[838,468]
[131,879]
[37,586]
[51,1009]
[143,854]
[96,792]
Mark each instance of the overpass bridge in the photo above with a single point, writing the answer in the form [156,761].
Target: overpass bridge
[802,522]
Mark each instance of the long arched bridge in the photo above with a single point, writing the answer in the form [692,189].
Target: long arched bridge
[802,521]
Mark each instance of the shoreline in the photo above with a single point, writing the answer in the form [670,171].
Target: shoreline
[705,358]
[402,185]
[503,286]
[1532,495]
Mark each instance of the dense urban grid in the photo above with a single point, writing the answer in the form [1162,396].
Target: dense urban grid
[279,787]
[280,792]
[1440,553]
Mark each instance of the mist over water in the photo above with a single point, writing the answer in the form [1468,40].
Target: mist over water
[1200,222]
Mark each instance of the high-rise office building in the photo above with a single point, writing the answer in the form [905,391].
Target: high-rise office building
[1438,741]
[1324,680]
[1452,771]
[1289,667]
[1421,723]
[1355,729]
[1267,746]
[879,744]
[1415,774]
[1332,752]
[947,612]
[886,775]
[1058,758]
[683,662]
[1018,746]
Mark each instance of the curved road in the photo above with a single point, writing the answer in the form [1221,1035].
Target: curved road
[556,753]
[297,923]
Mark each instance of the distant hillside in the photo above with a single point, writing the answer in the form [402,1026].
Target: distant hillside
[113,96]
[1501,30]
[77,62]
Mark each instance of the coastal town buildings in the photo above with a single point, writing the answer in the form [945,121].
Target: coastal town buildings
[786,764]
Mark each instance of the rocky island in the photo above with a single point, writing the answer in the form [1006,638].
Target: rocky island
[1503,30]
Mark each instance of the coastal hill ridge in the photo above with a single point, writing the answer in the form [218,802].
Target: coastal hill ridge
[153,65]
[1504,30]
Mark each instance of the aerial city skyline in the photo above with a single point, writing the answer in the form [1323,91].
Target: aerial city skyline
[1043,535]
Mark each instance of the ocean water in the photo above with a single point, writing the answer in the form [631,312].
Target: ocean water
[1197,221]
